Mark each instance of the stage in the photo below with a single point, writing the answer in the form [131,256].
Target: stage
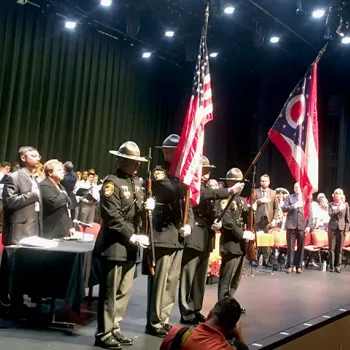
[274,303]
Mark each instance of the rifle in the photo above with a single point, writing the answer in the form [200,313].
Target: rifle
[148,258]
[251,254]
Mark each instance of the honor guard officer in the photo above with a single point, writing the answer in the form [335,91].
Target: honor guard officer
[117,244]
[168,239]
[198,245]
[232,241]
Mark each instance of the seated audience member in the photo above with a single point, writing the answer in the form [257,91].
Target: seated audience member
[323,215]
[57,221]
[221,325]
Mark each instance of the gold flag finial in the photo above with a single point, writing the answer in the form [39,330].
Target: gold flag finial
[207,14]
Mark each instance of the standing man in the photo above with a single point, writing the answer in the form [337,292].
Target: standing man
[232,242]
[198,245]
[266,213]
[22,212]
[69,181]
[5,168]
[296,228]
[168,239]
[117,244]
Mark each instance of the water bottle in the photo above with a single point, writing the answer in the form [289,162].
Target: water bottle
[324,266]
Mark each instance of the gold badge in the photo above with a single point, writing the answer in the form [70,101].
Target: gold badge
[108,188]
[159,175]
[223,204]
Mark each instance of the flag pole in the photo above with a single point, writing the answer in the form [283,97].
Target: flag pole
[187,198]
[262,149]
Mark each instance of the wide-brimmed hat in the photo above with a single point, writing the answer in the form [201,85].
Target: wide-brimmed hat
[282,190]
[129,150]
[170,142]
[206,163]
[234,174]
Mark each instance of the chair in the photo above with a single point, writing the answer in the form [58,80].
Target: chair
[320,239]
[95,229]
[346,249]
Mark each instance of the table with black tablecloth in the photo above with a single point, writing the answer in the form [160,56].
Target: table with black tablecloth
[62,272]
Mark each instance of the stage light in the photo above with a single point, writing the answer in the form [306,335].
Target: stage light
[169,33]
[319,13]
[70,24]
[106,3]
[213,54]
[146,55]
[346,40]
[229,9]
[274,39]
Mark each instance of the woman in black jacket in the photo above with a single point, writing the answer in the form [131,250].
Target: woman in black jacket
[57,222]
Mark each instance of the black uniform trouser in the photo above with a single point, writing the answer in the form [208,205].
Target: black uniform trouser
[299,236]
[116,278]
[335,243]
[230,274]
[162,286]
[263,225]
[194,269]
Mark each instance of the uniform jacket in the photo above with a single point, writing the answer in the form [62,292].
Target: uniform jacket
[231,240]
[121,206]
[20,218]
[56,220]
[170,195]
[339,219]
[268,210]
[295,217]
[202,237]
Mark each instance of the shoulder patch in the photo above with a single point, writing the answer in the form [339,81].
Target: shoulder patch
[108,188]
[159,174]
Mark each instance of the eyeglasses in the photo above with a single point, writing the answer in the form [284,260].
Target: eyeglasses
[34,156]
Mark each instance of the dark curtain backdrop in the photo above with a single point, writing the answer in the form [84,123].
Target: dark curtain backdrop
[77,94]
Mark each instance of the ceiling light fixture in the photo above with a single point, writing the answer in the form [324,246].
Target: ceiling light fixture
[346,40]
[146,55]
[169,33]
[213,54]
[70,24]
[229,9]
[319,13]
[106,3]
[274,39]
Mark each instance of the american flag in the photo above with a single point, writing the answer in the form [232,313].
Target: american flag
[295,134]
[187,162]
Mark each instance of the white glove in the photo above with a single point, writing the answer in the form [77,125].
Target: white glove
[185,231]
[84,200]
[297,205]
[216,225]
[237,188]
[143,241]
[342,206]
[150,204]
[133,239]
[254,206]
[248,235]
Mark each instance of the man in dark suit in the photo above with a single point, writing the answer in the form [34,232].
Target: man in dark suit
[266,212]
[22,210]
[296,227]
[68,182]
[338,225]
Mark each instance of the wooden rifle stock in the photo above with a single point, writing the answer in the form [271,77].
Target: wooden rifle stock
[251,254]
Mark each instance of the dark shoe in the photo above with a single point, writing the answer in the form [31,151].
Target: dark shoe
[120,338]
[157,332]
[299,271]
[289,271]
[338,269]
[167,327]
[331,269]
[191,322]
[243,310]
[108,343]
[200,318]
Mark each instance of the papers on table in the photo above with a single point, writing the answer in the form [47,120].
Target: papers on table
[86,237]
[36,241]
